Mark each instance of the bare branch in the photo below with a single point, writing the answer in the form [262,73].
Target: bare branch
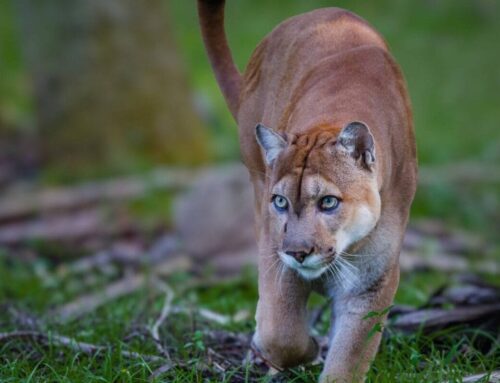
[213,316]
[167,305]
[493,377]
[127,285]
[86,348]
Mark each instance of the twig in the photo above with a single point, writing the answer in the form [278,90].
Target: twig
[433,318]
[167,305]
[100,259]
[90,302]
[213,316]
[21,318]
[127,285]
[86,348]
[123,253]
[493,377]
[272,367]
[163,369]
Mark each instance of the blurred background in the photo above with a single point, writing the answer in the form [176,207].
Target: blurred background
[120,178]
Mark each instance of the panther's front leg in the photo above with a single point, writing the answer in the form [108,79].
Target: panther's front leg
[354,337]
[282,334]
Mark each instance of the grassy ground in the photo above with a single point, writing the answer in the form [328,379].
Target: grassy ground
[29,292]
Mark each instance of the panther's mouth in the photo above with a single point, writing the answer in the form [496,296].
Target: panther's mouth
[312,268]
[311,273]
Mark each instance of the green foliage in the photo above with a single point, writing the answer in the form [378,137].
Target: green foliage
[377,314]
[197,342]
[419,358]
[16,106]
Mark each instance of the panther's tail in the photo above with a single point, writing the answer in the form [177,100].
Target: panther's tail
[211,14]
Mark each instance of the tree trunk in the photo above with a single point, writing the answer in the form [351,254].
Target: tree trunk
[109,87]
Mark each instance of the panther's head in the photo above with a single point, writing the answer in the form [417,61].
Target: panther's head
[323,195]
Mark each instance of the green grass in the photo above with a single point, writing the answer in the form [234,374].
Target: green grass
[34,289]
[16,104]
[419,358]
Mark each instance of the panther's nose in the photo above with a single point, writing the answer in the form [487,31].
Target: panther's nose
[299,256]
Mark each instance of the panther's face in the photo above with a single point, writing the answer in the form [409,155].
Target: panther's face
[323,197]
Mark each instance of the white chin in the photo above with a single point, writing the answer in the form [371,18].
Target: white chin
[310,274]
[305,272]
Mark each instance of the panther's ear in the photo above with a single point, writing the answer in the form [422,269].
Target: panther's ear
[272,143]
[357,140]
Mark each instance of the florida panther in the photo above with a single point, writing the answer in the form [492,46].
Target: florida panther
[326,132]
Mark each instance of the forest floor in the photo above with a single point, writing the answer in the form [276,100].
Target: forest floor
[68,327]
[114,299]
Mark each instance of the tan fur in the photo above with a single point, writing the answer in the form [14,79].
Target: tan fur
[310,77]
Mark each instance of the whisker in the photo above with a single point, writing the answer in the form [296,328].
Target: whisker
[270,256]
[332,271]
[276,275]
[280,281]
[273,265]
[326,273]
[350,271]
[338,272]
[345,277]
[348,264]
[345,254]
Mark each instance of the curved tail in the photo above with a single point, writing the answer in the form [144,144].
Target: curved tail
[211,14]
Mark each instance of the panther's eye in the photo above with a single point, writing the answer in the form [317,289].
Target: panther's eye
[328,203]
[280,202]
